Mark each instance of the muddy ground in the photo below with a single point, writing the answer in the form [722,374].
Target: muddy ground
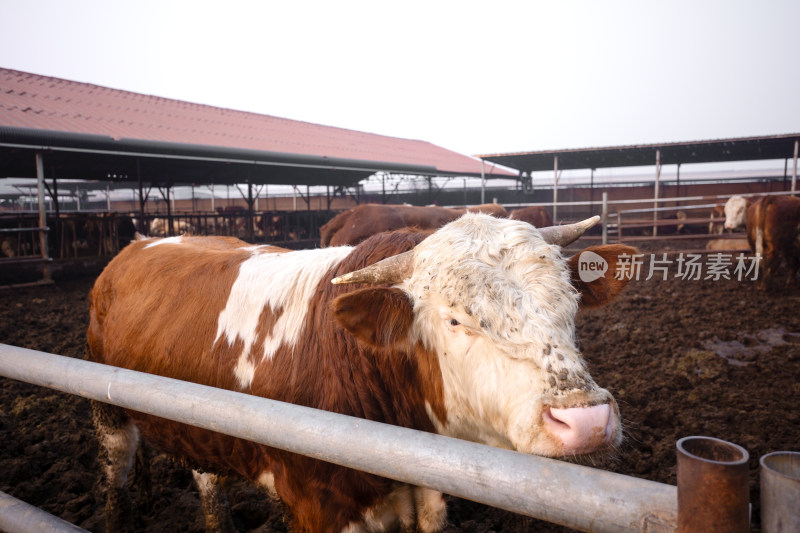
[709,357]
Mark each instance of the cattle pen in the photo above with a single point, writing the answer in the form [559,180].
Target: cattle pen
[572,495]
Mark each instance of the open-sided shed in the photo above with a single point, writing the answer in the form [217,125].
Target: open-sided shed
[54,129]
[673,153]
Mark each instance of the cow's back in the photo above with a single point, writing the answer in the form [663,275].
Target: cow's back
[363,221]
[157,300]
[534,215]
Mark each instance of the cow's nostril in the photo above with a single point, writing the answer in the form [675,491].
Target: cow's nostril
[581,429]
[550,418]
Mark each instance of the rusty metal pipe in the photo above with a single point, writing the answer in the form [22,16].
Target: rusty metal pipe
[712,486]
[780,492]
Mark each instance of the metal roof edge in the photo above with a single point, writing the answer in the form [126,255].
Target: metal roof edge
[653,146]
[68,141]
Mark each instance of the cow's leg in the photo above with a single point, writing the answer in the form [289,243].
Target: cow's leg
[216,510]
[119,439]
[431,510]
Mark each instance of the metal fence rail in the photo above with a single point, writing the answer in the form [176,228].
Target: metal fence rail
[572,495]
[19,517]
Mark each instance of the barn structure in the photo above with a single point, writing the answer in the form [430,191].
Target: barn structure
[675,153]
[53,129]
[56,130]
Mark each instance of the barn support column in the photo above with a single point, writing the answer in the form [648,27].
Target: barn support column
[165,194]
[555,190]
[794,171]
[483,182]
[678,183]
[604,217]
[42,218]
[57,226]
[250,232]
[655,192]
[142,199]
[591,192]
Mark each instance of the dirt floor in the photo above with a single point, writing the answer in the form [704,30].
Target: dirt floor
[719,358]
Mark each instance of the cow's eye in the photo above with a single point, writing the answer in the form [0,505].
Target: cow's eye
[453,322]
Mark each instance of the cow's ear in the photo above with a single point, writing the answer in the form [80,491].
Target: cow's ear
[378,316]
[587,265]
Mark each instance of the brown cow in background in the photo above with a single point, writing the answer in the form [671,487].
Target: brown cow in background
[357,224]
[535,215]
[773,231]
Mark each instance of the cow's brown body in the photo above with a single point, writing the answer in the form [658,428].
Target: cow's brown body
[534,215]
[357,224]
[773,231]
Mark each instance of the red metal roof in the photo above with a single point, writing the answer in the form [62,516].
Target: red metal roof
[45,103]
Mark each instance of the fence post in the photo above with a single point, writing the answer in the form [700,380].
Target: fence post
[713,494]
[655,195]
[604,218]
[555,190]
[794,172]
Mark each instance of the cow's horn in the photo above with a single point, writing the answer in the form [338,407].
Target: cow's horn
[568,233]
[390,270]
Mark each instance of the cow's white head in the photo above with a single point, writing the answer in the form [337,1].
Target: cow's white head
[495,301]
[735,212]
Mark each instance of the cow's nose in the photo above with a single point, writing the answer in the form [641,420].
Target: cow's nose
[581,429]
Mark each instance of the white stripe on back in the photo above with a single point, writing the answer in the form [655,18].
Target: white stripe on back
[280,281]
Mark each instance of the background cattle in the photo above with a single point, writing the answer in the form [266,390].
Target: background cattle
[534,215]
[418,342]
[354,225]
[715,227]
[773,230]
[736,211]
[159,227]
[727,244]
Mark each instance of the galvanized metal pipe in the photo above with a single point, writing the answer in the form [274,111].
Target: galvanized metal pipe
[780,492]
[794,171]
[17,516]
[712,486]
[655,192]
[572,495]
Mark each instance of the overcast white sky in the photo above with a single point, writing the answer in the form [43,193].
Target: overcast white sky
[474,77]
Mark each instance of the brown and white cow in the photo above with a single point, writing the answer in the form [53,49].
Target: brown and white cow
[357,224]
[467,331]
[736,211]
[715,227]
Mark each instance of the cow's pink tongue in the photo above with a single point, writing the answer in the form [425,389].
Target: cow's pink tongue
[580,429]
